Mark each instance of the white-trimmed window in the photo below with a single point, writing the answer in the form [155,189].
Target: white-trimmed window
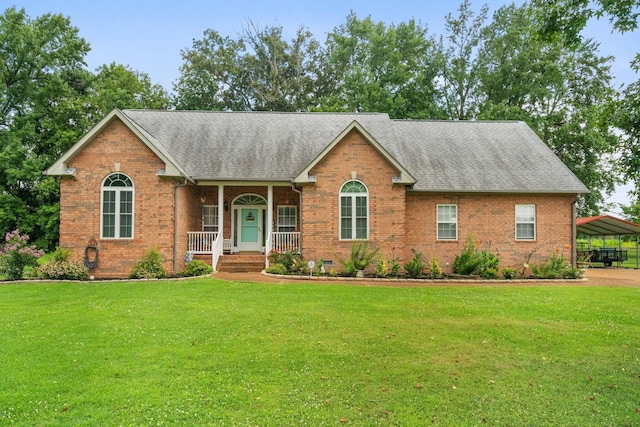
[117,207]
[447,222]
[525,222]
[354,211]
[210,218]
[287,218]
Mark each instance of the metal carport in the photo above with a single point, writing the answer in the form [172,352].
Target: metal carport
[607,225]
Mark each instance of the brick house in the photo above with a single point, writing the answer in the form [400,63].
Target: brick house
[225,184]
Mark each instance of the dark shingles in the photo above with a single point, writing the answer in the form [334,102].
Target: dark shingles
[449,156]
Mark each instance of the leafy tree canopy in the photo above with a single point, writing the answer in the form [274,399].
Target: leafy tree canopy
[48,100]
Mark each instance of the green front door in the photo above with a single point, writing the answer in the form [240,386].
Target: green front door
[250,232]
[248,223]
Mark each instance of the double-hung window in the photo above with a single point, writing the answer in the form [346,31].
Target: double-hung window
[287,218]
[525,222]
[209,218]
[447,222]
[117,207]
[354,211]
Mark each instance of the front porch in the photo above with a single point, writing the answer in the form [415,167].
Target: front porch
[242,221]
[209,246]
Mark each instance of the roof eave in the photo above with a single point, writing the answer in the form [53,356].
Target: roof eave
[172,169]
[496,191]
[405,177]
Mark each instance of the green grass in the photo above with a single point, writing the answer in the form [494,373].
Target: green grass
[207,352]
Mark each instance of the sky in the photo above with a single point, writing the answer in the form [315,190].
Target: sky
[148,35]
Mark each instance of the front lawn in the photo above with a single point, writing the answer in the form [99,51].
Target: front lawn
[208,352]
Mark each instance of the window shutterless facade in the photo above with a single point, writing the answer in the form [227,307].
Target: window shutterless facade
[525,222]
[117,207]
[287,216]
[447,222]
[354,211]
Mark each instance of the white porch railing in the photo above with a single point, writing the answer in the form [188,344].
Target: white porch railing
[207,242]
[216,251]
[201,242]
[285,241]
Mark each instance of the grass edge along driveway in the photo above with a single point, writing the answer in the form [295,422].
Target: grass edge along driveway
[211,352]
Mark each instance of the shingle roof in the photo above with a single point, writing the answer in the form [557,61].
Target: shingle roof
[448,156]
[480,156]
[246,145]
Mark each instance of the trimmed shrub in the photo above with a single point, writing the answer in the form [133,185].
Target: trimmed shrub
[150,267]
[197,267]
[277,269]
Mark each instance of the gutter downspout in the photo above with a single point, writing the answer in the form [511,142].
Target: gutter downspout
[293,187]
[175,224]
[574,233]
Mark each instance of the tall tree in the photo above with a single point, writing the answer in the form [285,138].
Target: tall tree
[460,67]
[379,68]
[258,71]
[565,20]
[562,92]
[569,17]
[118,86]
[48,100]
[41,76]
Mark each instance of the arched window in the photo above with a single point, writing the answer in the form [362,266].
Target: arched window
[117,207]
[354,211]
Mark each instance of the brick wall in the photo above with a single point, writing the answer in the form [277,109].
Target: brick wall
[115,149]
[353,157]
[490,220]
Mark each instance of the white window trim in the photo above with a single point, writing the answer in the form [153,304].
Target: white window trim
[438,222]
[521,239]
[295,216]
[216,216]
[353,197]
[118,190]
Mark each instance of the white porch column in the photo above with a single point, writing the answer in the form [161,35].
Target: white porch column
[269,221]
[221,211]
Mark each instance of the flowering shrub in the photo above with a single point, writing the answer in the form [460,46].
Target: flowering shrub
[290,260]
[63,270]
[15,255]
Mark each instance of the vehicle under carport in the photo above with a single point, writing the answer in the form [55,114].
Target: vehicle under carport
[605,226]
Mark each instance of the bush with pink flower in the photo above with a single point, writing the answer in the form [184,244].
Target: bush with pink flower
[16,254]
